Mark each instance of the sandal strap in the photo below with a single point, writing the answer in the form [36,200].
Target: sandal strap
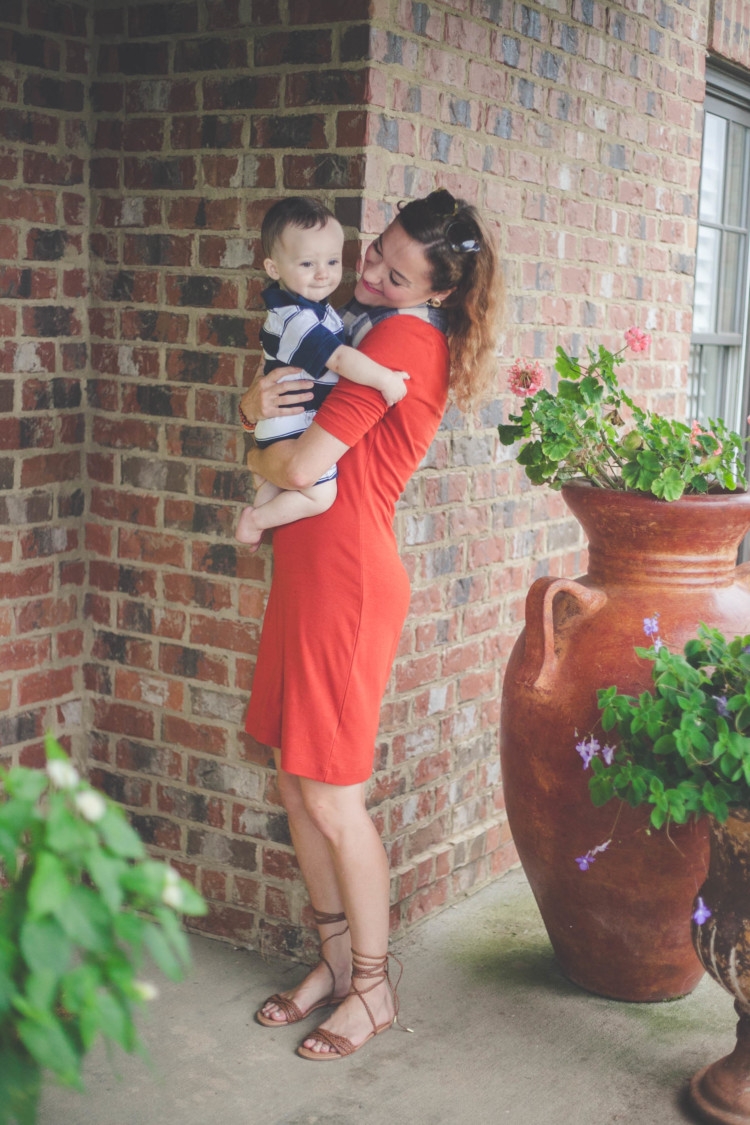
[292,1013]
[341,1045]
[376,970]
[321,918]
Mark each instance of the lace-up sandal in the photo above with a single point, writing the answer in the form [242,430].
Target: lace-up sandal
[292,1013]
[364,968]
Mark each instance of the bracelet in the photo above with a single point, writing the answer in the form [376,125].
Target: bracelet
[246,423]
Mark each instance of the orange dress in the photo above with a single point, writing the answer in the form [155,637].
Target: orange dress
[340,593]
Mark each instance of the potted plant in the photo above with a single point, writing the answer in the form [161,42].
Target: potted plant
[664,508]
[80,906]
[683,752]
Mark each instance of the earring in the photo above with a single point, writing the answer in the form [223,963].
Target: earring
[434,302]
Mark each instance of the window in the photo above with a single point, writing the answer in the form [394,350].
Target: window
[718,358]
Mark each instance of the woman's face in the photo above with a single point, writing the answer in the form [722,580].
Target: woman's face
[396,273]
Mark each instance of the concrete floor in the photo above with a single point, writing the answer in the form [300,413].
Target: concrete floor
[500,1036]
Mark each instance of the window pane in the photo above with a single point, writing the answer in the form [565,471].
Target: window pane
[734,208]
[712,169]
[706,388]
[704,309]
[728,282]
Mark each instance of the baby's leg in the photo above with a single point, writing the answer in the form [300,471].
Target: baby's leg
[286,507]
[264,491]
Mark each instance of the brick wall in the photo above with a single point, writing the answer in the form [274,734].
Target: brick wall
[730,31]
[43,355]
[578,132]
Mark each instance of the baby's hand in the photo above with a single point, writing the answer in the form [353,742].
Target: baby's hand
[394,387]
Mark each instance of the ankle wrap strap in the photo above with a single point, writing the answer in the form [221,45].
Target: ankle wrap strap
[322,919]
[376,971]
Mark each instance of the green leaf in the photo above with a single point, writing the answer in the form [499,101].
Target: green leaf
[509,435]
[85,919]
[20,1086]
[118,835]
[107,873]
[44,945]
[115,1021]
[160,950]
[669,486]
[25,785]
[50,1046]
[66,834]
[49,885]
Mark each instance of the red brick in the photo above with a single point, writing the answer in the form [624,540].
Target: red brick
[123,719]
[45,685]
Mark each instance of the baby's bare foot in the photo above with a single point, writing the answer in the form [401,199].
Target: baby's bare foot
[248,531]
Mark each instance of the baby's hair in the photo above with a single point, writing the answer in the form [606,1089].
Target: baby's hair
[297,211]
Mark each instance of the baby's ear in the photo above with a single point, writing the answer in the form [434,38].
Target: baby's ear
[271,269]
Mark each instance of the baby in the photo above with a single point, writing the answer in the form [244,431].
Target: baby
[303,243]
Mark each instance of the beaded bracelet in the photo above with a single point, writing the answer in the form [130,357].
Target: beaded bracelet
[246,423]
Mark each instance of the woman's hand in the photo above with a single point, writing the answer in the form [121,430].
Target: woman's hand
[267,397]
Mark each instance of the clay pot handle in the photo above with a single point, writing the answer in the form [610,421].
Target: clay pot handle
[540,657]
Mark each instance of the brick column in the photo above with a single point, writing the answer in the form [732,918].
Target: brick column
[43,360]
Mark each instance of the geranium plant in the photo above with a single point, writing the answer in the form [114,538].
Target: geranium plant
[81,905]
[591,430]
[683,750]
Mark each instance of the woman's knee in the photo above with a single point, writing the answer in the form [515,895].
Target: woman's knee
[289,792]
[331,811]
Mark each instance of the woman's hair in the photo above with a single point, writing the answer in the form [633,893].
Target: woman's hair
[296,211]
[463,258]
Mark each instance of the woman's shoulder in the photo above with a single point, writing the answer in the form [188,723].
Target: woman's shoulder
[407,335]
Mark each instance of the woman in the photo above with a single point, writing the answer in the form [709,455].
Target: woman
[340,593]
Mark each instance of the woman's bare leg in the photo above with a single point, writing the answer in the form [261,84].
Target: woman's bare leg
[361,870]
[318,872]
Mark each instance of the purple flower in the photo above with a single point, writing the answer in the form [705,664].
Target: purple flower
[721,706]
[587,750]
[701,913]
[608,753]
[651,625]
[658,644]
[585,861]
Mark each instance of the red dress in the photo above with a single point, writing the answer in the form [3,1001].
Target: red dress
[340,593]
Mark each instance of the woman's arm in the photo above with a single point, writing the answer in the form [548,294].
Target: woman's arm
[300,462]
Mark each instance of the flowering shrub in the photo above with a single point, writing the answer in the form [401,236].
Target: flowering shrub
[80,905]
[590,429]
[685,750]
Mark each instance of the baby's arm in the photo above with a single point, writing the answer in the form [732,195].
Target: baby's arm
[359,368]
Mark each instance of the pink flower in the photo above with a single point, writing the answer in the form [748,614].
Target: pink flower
[695,431]
[637,340]
[525,377]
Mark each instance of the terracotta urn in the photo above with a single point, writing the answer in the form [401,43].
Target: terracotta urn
[721,1091]
[621,928]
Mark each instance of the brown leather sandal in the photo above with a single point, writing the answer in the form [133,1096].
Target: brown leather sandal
[292,1013]
[364,967]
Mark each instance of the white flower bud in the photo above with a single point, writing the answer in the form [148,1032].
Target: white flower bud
[145,990]
[90,805]
[62,774]
[172,896]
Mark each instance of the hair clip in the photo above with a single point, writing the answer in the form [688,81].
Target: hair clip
[462,236]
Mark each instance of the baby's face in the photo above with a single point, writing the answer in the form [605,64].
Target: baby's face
[308,262]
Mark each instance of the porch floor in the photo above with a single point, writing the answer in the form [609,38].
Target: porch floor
[500,1036]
